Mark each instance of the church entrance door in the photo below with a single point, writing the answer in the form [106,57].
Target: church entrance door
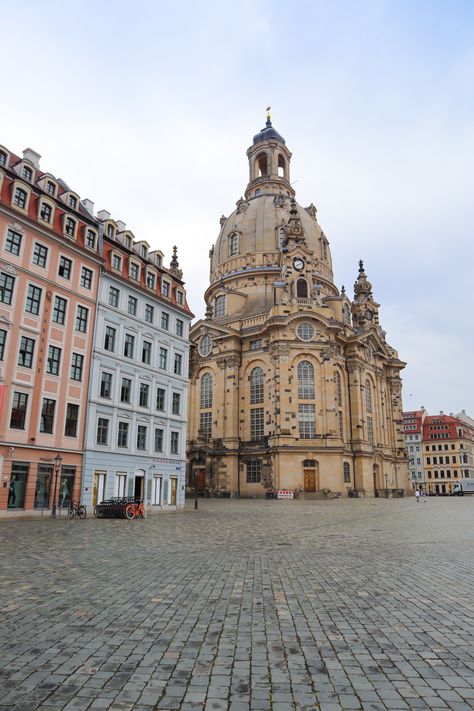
[200,478]
[309,479]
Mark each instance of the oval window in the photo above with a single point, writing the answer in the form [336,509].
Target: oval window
[205,346]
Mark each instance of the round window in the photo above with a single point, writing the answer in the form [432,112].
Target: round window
[205,345]
[305,331]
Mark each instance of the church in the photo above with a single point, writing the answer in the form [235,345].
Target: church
[292,384]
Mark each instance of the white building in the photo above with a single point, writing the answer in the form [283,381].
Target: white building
[136,424]
[413,434]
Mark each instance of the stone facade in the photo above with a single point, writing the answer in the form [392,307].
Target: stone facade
[292,384]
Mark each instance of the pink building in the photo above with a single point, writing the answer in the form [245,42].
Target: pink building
[49,272]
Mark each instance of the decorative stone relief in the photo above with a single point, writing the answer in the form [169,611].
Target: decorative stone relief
[242,206]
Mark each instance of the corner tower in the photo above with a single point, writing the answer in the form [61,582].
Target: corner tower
[293,386]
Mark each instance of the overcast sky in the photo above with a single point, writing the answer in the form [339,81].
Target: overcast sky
[147,108]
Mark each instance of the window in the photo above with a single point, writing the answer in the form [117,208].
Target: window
[255,344]
[176,405]
[158,440]
[125,390]
[165,321]
[72,417]
[20,197]
[132,305]
[205,345]
[146,352]
[59,310]
[33,299]
[46,212]
[150,280]
[106,385]
[90,239]
[141,437]
[305,380]
[347,472]
[337,378]
[27,349]
[340,419]
[219,306]
[206,390]
[129,346]
[86,278]
[346,314]
[69,226]
[109,339]
[179,327]
[165,288]
[72,202]
[163,358]
[302,288]
[256,423]
[254,471]
[205,426]
[3,158]
[370,430]
[149,313]
[116,262]
[368,396]
[122,436]
[305,331]
[13,242]
[54,360]
[7,283]
[233,245]
[114,296]
[40,255]
[307,421]
[144,395]
[82,315]
[65,267]
[102,430]
[134,271]
[18,413]
[179,298]
[3,339]
[110,231]
[26,173]
[121,480]
[174,449]
[256,386]
[47,416]
[178,363]
[50,188]
[160,399]
[77,364]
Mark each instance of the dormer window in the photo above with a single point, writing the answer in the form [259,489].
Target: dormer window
[72,202]
[134,271]
[143,251]
[150,280]
[3,158]
[70,227]
[165,288]
[46,212]
[179,297]
[110,231]
[50,188]
[128,242]
[20,198]
[27,173]
[91,238]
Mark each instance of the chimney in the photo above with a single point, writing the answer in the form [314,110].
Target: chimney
[121,226]
[451,414]
[441,412]
[103,215]
[32,156]
[89,205]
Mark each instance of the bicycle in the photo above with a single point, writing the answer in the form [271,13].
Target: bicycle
[135,510]
[78,510]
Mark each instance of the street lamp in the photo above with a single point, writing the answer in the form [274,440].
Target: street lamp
[196,489]
[57,468]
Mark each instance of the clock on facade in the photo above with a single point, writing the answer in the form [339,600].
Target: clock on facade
[298,263]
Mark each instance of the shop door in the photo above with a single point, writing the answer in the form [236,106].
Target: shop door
[309,479]
[98,493]
[174,488]
[138,489]
[43,486]
[157,490]
[17,486]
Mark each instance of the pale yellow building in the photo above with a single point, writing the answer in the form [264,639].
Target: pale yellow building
[293,385]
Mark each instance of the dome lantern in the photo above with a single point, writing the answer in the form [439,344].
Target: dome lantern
[269,163]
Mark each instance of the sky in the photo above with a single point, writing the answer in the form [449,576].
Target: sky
[147,108]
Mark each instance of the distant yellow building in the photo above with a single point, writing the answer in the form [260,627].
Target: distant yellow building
[293,385]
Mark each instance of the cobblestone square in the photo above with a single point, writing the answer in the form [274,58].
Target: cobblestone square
[337,605]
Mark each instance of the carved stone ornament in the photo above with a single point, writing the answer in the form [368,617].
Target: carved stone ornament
[312,211]
[294,229]
[279,201]
[242,206]
[222,220]
[9,269]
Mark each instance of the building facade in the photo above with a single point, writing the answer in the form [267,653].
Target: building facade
[292,384]
[49,274]
[413,428]
[448,449]
[138,393]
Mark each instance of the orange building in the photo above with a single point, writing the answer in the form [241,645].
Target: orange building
[49,272]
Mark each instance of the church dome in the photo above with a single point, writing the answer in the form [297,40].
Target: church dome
[268,133]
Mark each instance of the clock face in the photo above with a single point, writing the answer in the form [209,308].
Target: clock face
[298,263]
[369,315]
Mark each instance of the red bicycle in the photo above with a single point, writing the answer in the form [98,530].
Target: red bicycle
[135,510]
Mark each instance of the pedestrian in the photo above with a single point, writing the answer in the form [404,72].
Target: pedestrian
[423,494]
[417,494]
[11,493]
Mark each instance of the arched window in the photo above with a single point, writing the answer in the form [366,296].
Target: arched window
[256,386]
[219,306]
[305,380]
[302,289]
[281,167]
[233,244]
[206,391]
[338,387]
[368,396]
[347,472]
[262,165]
[340,420]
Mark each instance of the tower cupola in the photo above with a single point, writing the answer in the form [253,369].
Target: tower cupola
[269,164]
